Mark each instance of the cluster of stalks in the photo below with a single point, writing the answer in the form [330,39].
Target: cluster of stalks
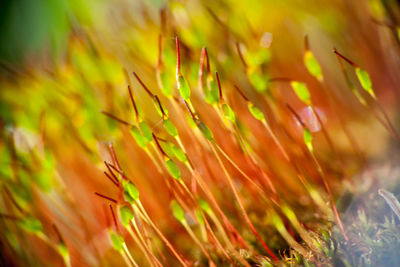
[206,168]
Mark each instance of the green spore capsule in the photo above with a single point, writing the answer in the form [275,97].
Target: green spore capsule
[199,217]
[177,211]
[117,241]
[258,57]
[159,110]
[365,81]
[307,136]
[170,128]
[167,147]
[62,248]
[128,197]
[31,225]
[146,131]
[183,88]
[126,215]
[312,65]
[259,82]
[173,169]
[164,84]
[228,112]
[205,130]
[131,190]
[178,153]
[204,205]
[256,112]
[139,138]
[211,93]
[302,92]
[191,122]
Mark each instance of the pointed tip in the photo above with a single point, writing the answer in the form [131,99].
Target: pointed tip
[296,115]
[143,85]
[178,56]
[241,93]
[221,98]
[306,43]
[239,51]
[344,58]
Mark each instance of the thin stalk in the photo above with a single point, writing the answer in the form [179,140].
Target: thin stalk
[386,117]
[329,140]
[214,202]
[329,191]
[147,240]
[116,118]
[197,241]
[129,256]
[254,161]
[140,242]
[276,141]
[248,178]
[389,127]
[244,213]
[165,240]
[44,238]
[215,239]
[266,125]
[232,127]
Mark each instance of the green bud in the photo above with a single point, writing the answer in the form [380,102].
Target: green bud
[258,57]
[173,169]
[158,108]
[190,121]
[62,248]
[212,92]
[126,215]
[199,216]
[178,153]
[256,112]
[170,128]
[307,136]
[128,197]
[146,131]
[228,112]
[177,211]
[183,88]
[166,88]
[117,241]
[205,130]
[365,81]
[139,138]
[259,82]
[131,190]
[312,65]
[302,92]
[204,205]
[31,225]
[167,147]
